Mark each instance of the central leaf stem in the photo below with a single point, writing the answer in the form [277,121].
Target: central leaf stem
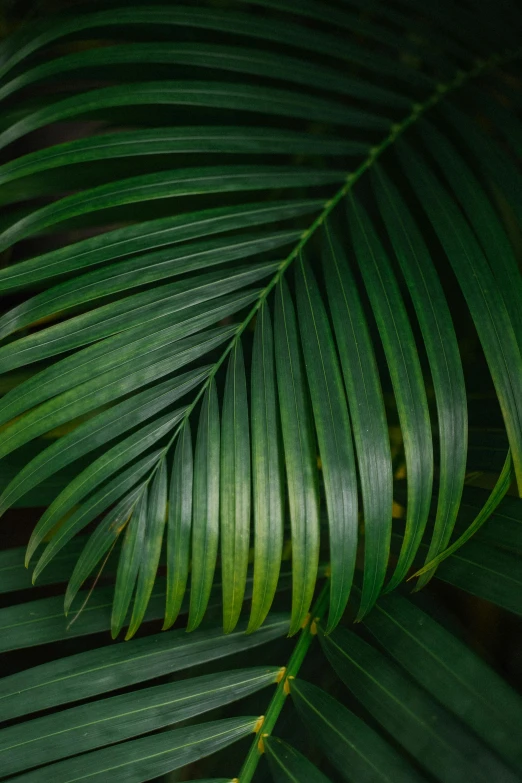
[278,699]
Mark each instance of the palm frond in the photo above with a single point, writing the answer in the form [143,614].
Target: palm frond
[123,326]
[461,703]
[241,247]
[431,734]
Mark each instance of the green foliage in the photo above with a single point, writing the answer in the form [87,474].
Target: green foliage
[246,247]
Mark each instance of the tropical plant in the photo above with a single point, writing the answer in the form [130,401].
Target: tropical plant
[255,255]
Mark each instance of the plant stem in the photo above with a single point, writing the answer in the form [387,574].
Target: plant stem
[278,699]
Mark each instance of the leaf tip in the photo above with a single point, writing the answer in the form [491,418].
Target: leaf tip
[131,631]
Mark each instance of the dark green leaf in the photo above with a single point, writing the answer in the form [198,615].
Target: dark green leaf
[367,412]
[179,524]
[151,549]
[15,576]
[212,56]
[101,429]
[495,163]
[122,664]
[101,541]
[483,219]
[492,574]
[289,34]
[128,565]
[406,375]
[137,760]
[127,350]
[485,302]
[165,184]
[139,271]
[504,526]
[267,475]
[356,750]
[106,466]
[235,489]
[145,236]
[170,304]
[288,765]
[451,672]
[501,487]
[300,456]
[104,722]
[78,519]
[438,741]
[214,95]
[205,507]
[196,140]
[442,348]
[334,437]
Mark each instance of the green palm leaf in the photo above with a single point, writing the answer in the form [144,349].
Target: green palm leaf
[179,525]
[449,671]
[300,462]
[205,525]
[124,325]
[106,721]
[257,260]
[266,471]
[157,754]
[288,765]
[352,747]
[431,734]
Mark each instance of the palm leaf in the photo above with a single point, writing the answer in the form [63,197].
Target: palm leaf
[350,744]
[216,320]
[106,721]
[449,671]
[125,325]
[288,765]
[136,760]
[428,732]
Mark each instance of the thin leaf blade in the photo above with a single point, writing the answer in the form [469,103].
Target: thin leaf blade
[334,437]
[235,489]
[205,519]
[267,471]
[299,454]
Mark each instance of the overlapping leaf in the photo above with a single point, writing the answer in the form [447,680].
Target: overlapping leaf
[157,287]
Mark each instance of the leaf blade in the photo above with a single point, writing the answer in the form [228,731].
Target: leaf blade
[299,454]
[235,489]
[443,355]
[87,674]
[355,749]
[430,733]
[481,293]
[288,765]
[367,414]
[179,525]
[334,436]
[134,761]
[128,565]
[150,553]
[205,514]
[103,722]
[266,471]
[403,363]
[450,671]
